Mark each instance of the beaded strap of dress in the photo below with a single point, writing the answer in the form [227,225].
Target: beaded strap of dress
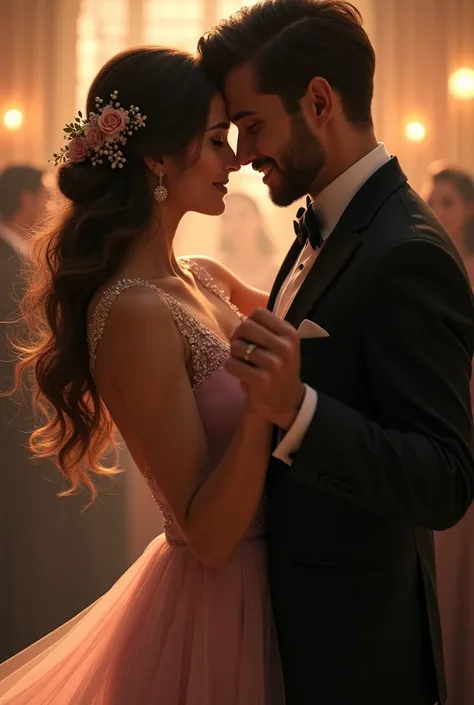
[208,350]
[203,276]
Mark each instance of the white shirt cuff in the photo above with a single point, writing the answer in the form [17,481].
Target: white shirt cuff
[292,440]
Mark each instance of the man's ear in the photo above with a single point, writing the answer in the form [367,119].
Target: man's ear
[320,96]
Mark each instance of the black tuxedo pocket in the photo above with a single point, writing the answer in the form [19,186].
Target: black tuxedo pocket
[318,354]
[317,346]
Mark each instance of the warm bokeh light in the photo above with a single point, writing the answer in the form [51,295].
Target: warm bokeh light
[415,131]
[461,84]
[13,119]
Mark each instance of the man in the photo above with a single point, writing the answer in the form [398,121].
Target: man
[374,407]
[51,555]
[23,199]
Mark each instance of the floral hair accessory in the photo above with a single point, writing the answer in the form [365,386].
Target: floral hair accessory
[100,137]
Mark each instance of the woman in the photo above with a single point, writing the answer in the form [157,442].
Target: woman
[123,333]
[244,244]
[450,193]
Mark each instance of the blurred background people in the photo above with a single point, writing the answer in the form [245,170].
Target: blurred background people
[54,560]
[23,201]
[244,243]
[449,191]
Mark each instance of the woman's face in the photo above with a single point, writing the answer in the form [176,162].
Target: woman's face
[449,206]
[201,187]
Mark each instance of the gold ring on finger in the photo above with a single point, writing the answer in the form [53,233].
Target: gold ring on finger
[250,348]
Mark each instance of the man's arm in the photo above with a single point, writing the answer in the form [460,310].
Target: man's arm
[416,460]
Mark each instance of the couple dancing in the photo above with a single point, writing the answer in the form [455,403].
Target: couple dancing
[342,400]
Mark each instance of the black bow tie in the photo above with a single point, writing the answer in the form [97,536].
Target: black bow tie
[308,227]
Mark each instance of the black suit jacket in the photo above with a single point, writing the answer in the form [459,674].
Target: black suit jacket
[387,458]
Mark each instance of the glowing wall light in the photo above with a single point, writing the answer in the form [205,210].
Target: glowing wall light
[415,131]
[13,119]
[461,84]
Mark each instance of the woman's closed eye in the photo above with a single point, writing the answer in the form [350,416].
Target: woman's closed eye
[219,139]
[254,127]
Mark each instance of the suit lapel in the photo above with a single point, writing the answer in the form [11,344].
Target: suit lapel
[333,258]
[345,240]
[285,269]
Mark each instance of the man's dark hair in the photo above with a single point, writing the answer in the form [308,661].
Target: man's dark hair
[291,41]
[14,181]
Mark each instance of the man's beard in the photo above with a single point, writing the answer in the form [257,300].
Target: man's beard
[299,164]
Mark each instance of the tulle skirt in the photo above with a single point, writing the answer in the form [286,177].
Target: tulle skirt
[170,632]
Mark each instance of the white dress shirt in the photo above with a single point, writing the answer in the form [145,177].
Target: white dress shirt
[329,205]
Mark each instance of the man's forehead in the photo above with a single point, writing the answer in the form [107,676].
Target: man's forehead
[240,91]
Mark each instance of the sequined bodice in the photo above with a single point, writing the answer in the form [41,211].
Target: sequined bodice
[208,350]
[219,397]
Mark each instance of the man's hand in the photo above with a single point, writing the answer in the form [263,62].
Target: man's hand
[265,357]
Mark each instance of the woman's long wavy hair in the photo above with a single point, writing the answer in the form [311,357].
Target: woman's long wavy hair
[104,217]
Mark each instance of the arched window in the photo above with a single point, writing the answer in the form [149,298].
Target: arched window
[171,23]
[102,31]
[228,7]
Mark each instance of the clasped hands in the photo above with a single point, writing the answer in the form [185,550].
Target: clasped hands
[265,358]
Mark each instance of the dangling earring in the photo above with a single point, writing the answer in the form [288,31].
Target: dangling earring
[161,192]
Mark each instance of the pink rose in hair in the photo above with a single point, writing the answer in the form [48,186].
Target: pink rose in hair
[112,122]
[93,136]
[77,150]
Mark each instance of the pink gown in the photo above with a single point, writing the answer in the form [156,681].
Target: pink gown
[171,631]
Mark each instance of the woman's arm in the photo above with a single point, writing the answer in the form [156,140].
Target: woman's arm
[245,297]
[141,374]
